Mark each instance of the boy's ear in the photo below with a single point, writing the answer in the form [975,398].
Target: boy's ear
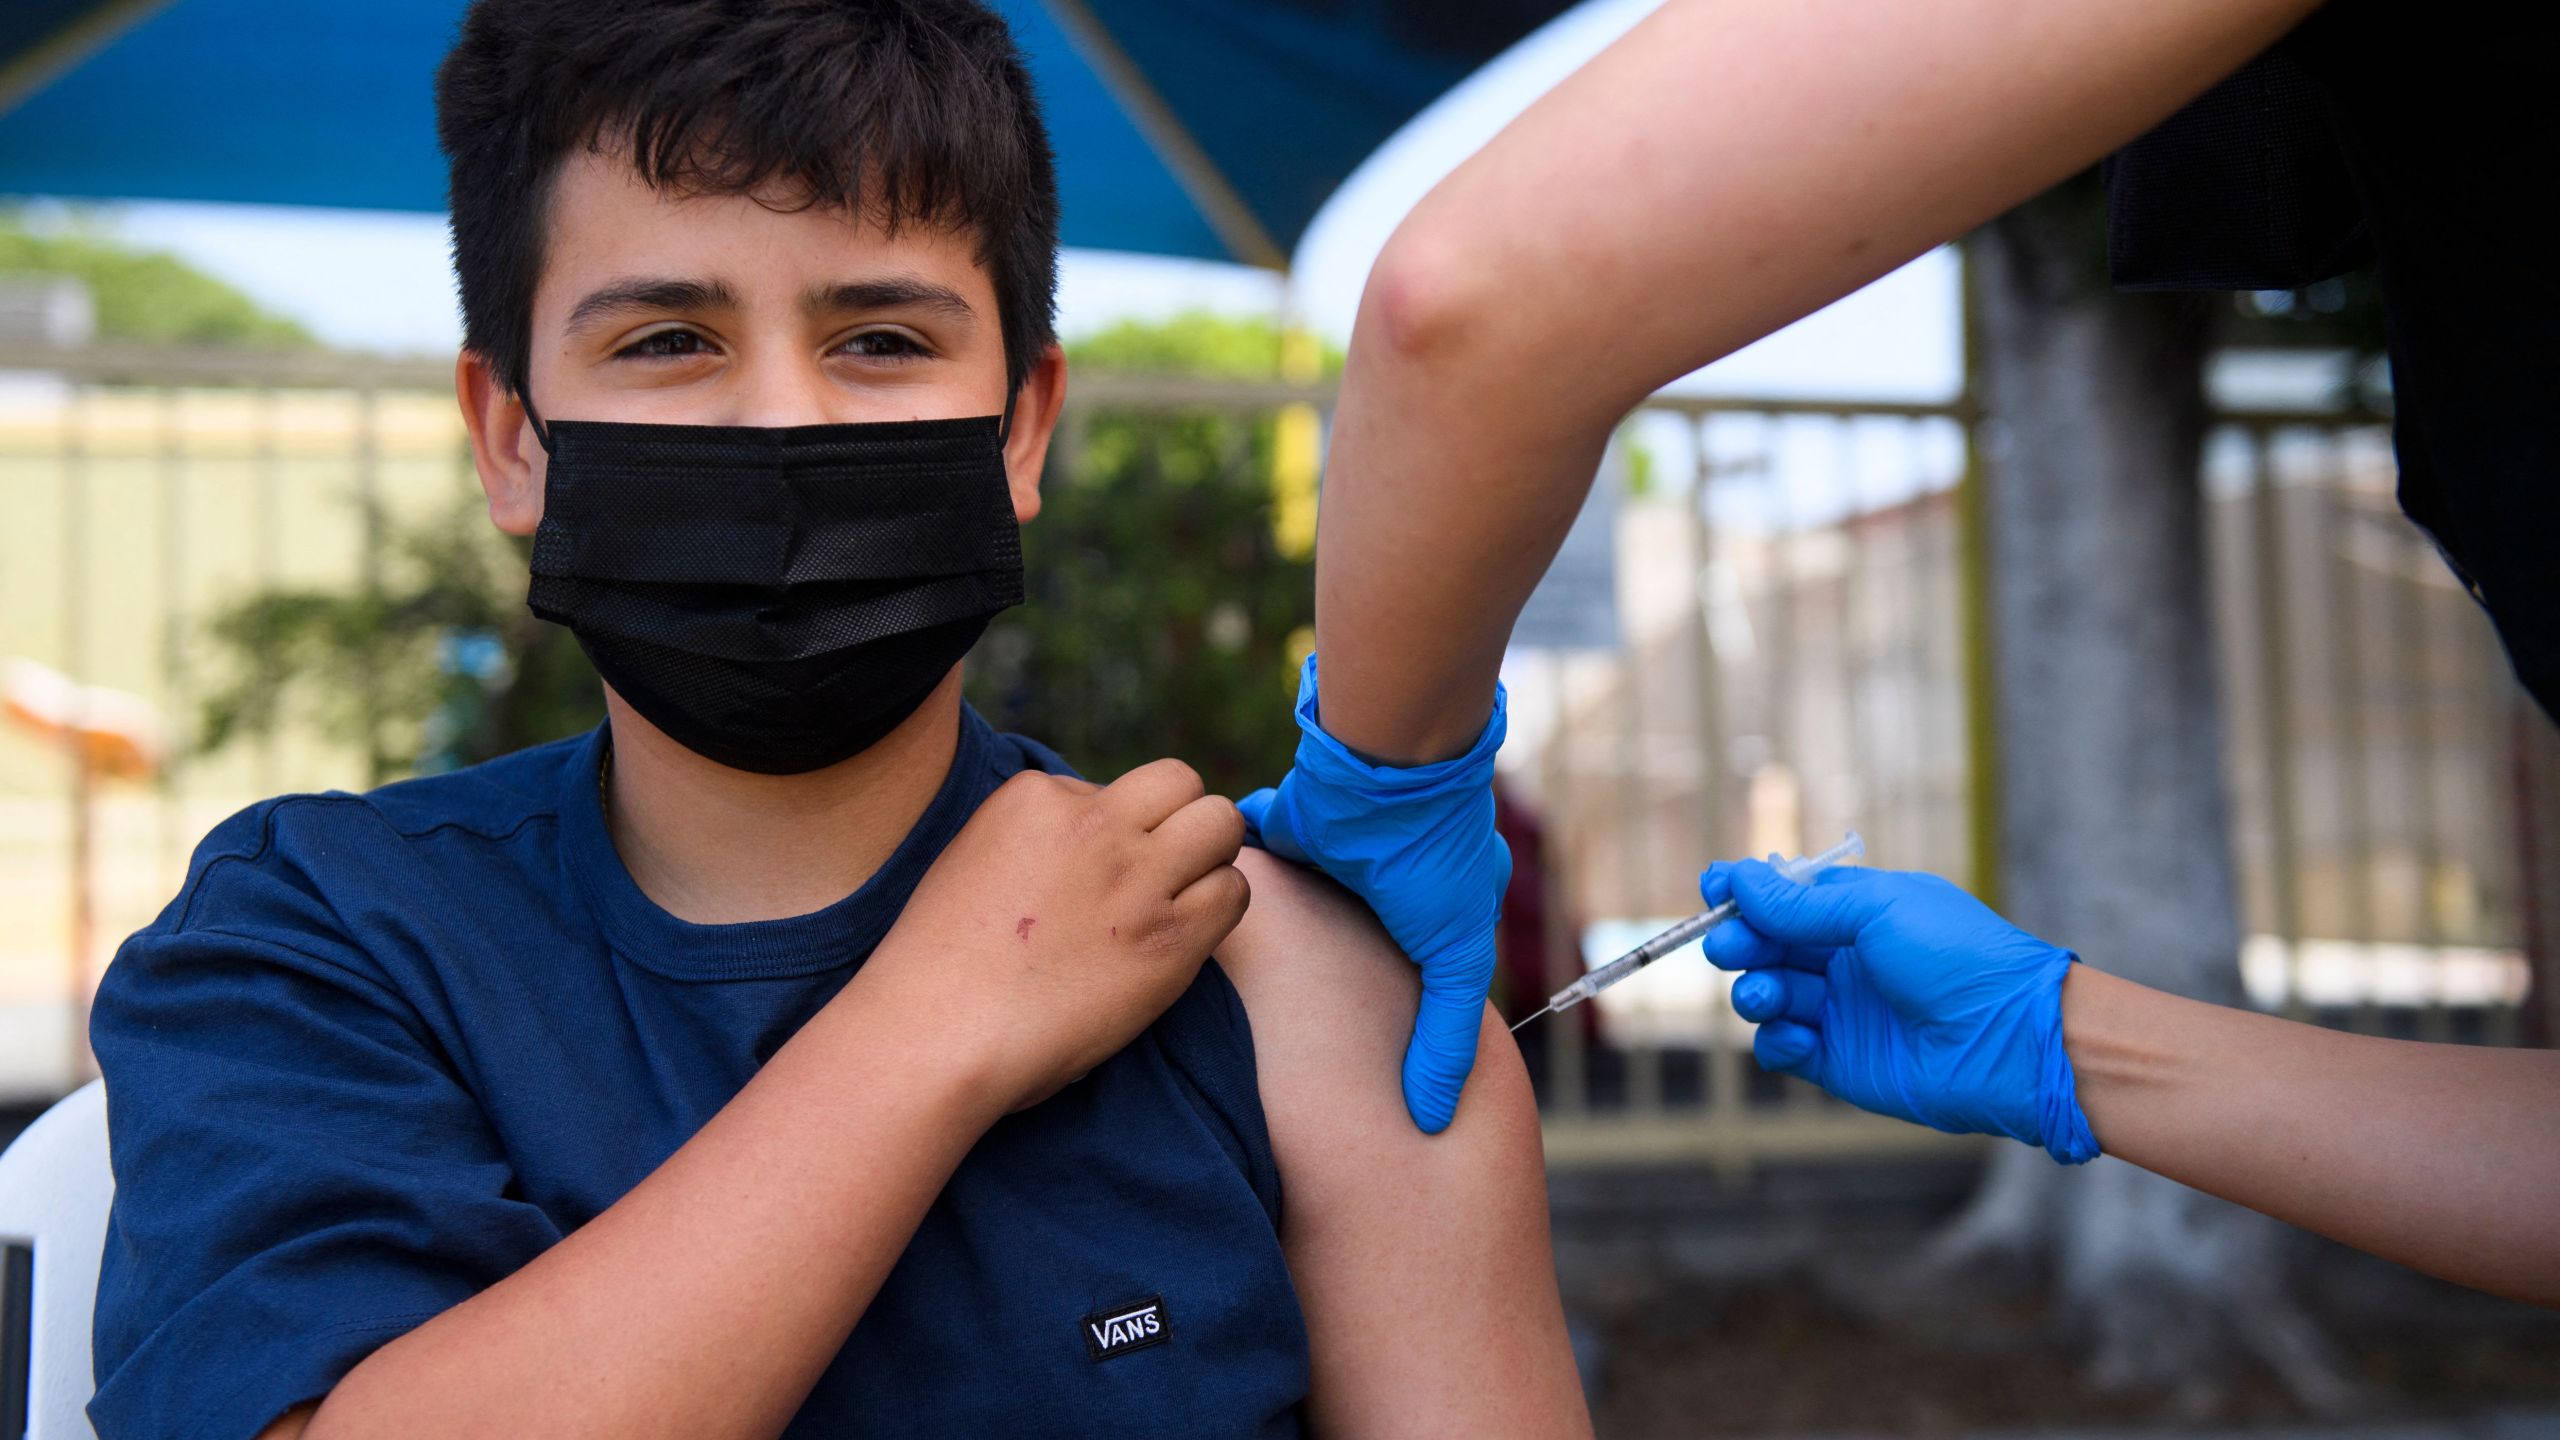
[503,449]
[1035,418]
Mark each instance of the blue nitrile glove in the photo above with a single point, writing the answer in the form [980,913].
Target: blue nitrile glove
[1903,995]
[1417,843]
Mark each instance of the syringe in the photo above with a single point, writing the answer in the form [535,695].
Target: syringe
[1801,868]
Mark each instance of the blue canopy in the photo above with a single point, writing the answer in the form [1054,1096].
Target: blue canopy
[1205,128]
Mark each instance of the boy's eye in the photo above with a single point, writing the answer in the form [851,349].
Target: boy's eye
[882,345]
[665,345]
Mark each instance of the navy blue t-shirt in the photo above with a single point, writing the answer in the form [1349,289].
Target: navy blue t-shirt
[382,1050]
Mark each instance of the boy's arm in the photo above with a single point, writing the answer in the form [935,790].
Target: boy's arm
[1422,1263]
[707,1301]
[1725,168]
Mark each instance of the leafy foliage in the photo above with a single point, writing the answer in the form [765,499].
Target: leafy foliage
[1163,618]
[1197,342]
[146,295]
[436,664]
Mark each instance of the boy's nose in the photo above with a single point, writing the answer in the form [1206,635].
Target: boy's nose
[778,390]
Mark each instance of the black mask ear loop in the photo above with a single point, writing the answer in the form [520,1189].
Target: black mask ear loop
[541,431]
[1004,423]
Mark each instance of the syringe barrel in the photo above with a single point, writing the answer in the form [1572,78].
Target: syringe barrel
[1802,868]
[1611,973]
[1683,933]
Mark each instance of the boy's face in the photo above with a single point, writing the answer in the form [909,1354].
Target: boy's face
[718,310]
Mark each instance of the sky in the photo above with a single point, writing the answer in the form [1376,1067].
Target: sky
[380,281]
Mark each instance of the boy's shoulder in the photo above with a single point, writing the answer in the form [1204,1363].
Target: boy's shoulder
[490,798]
[308,844]
[1009,753]
[1331,1001]
[1312,935]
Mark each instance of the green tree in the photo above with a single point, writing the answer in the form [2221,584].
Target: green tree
[144,295]
[1163,616]
[436,664]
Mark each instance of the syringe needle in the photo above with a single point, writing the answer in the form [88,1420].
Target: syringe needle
[1550,1009]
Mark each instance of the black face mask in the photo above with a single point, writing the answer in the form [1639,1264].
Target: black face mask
[776,599]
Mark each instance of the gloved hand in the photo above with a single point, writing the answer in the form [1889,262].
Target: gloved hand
[1417,843]
[1903,995]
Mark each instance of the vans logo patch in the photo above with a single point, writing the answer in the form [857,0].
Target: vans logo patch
[1124,1328]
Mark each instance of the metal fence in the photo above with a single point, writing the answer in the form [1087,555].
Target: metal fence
[138,489]
[1791,587]
[1802,665]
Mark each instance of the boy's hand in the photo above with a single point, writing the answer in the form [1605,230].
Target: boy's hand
[1060,922]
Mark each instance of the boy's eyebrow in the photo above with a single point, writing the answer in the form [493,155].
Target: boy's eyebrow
[890,292]
[625,296]
[885,293]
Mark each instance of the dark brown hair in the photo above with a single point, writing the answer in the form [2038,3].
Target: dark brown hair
[906,110]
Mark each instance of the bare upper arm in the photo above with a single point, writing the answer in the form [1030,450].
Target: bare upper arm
[290,1424]
[1423,1262]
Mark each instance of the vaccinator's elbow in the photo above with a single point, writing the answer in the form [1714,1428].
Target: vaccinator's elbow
[1424,299]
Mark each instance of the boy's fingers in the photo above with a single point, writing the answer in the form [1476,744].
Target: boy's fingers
[1215,902]
[1151,793]
[1195,840]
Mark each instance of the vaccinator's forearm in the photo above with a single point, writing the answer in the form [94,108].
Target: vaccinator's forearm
[1723,169]
[2442,1157]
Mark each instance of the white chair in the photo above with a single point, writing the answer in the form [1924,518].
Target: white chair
[54,1188]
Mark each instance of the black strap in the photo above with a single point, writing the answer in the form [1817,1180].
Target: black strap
[541,432]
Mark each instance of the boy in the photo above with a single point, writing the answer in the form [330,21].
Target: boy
[792,1055]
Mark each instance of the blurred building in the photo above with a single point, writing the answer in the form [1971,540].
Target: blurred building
[1780,685]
